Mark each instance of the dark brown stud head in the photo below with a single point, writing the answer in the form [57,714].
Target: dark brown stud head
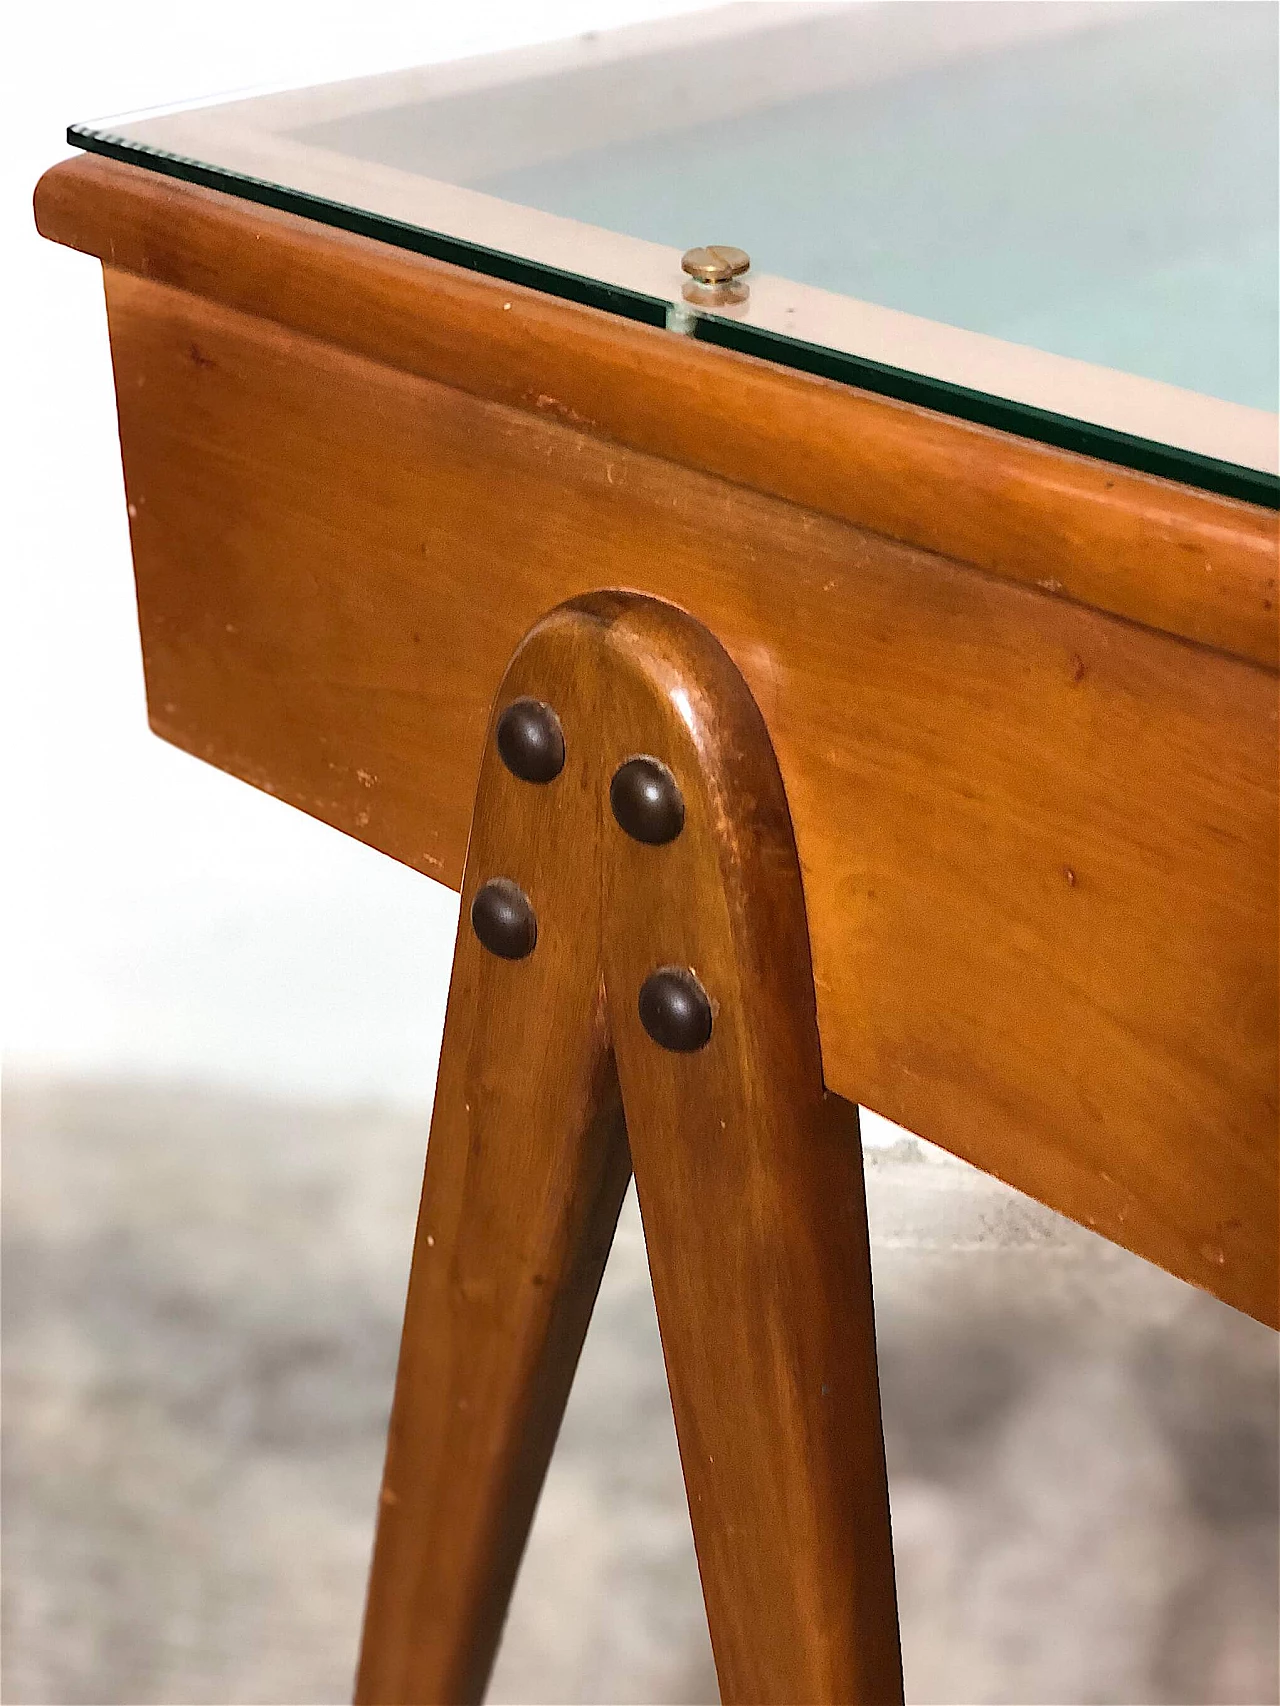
[531,741]
[503,919]
[674,1010]
[646,801]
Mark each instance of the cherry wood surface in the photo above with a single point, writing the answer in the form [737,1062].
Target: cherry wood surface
[527,1166]
[1186,561]
[750,1184]
[1038,839]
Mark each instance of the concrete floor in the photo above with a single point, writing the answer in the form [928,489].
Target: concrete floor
[201,1306]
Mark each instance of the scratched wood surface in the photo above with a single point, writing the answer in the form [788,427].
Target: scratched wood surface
[1038,839]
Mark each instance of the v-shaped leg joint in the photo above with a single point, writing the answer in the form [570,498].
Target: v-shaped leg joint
[633,936]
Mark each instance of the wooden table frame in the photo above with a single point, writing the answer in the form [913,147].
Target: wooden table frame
[1023,703]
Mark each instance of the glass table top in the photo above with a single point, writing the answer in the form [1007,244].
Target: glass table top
[1056,219]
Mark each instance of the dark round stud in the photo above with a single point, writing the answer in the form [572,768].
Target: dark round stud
[531,741]
[646,801]
[674,1010]
[503,919]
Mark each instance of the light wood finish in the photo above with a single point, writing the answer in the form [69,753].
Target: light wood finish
[750,1185]
[1180,560]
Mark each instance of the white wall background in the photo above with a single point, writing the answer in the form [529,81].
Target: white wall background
[161,918]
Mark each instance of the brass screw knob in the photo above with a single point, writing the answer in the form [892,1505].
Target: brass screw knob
[717,263]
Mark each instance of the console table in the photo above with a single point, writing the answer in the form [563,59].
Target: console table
[817,705]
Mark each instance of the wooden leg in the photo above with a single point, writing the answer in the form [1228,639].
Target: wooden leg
[751,1190]
[668,903]
[527,1166]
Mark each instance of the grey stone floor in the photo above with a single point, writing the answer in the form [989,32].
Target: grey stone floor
[201,1303]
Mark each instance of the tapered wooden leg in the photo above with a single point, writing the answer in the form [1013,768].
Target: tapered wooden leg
[527,1167]
[751,1191]
[671,938]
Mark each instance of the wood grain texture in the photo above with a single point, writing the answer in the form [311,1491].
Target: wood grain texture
[1184,561]
[1038,842]
[527,1166]
[750,1182]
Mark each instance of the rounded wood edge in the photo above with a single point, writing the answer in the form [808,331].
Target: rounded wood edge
[1192,564]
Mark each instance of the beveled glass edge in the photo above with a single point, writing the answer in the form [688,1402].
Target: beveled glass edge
[382,228]
[1019,419]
